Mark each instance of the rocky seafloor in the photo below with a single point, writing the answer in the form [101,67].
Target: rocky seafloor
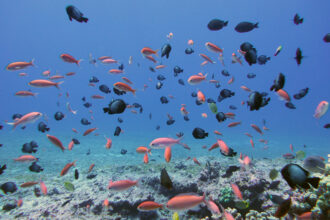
[211,178]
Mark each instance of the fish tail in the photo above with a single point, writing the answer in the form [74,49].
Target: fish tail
[134,92]
[59,83]
[13,124]
[74,163]
[78,62]
[256,25]
[156,52]
[32,62]
[314,181]
[85,19]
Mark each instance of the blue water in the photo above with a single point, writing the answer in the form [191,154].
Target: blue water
[120,29]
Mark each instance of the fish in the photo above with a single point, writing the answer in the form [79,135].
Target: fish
[148,51]
[42,83]
[69,59]
[25,93]
[321,109]
[278,50]
[168,154]
[298,56]
[67,168]
[163,142]
[124,87]
[116,71]
[26,119]
[216,24]
[56,142]
[165,179]
[245,26]
[223,147]
[8,187]
[206,58]
[236,191]
[109,143]
[165,50]
[76,174]
[196,79]
[236,59]
[28,184]
[199,133]
[149,206]
[88,131]
[26,158]
[255,127]
[43,188]
[146,158]
[190,42]
[185,201]
[91,167]
[70,146]
[74,13]
[283,208]
[122,185]
[19,65]
[2,168]
[234,124]
[297,19]
[196,161]
[213,48]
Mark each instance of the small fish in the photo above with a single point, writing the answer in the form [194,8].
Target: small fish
[165,179]
[122,185]
[206,58]
[149,206]
[236,191]
[255,127]
[168,154]
[185,201]
[19,65]
[213,48]
[56,142]
[88,131]
[69,59]
[321,109]
[67,168]
[278,50]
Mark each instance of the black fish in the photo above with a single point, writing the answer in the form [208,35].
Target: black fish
[283,208]
[37,192]
[76,174]
[216,24]
[58,116]
[257,100]
[278,83]
[225,93]
[189,50]
[30,147]
[123,151]
[75,141]
[301,94]
[217,85]
[297,20]
[181,82]
[186,118]
[2,168]
[160,77]
[104,88]
[42,127]
[165,179]
[246,46]
[326,38]
[251,56]
[177,70]
[9,207]
[262,59]
[116,106]
[232,107]
[150,116]
[87,104]
[163,100]
[220,116]
[93,79]
[225,73]
[118,92]
[1,127]
[121,67]
[159,85]
[117,131]
[84,121]
[209,100]
[198,102]
[157,127]
[8,187]
[180,134]
[17,116]
[327,125]
[170,121]
[35,168]
[120,120]
[194,94]
[295,176]
[245,26]
[290,105]
[199,133]
[230,170]
[88,152]
[74,13]
[152,69]
[83,99]
[166,49]
[298,56]
[276,199]
[231,153]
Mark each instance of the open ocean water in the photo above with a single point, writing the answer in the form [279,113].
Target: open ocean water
[41,30]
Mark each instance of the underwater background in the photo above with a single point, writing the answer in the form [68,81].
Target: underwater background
[41,30]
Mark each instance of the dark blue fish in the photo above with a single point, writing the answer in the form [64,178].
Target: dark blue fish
[74,13]
[216,24]
[245,26]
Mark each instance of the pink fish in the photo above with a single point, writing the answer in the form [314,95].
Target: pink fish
[163,142]
[25,93]
[42,83]
[206,58]
[196,79]
[28,118]
[43,188]
[213,48]
[122,184]
[321,109]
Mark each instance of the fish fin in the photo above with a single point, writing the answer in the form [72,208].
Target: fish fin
[59,83]
[32,62]
[156,52]
[256,25]
[78,62]
[35,94]
[314,181]
[74,163]
[85,19]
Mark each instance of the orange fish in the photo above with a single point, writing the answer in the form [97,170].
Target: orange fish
[56,142]
[91,167]
[43,188]
[148,51]
[67,168]
[25,93]
[291,147]
[143,150]
[127,80]
[185,201]
[230,115]
[122,184]
[69,59]
[183,110]
[71,144]
[149,206]
[246,89]
[46,73]
[146,158]
[97,97]
[236,191]
[227,215]
[42,83]
[151,58]
[109,61]
[217,132]
[106,203]
[252,143]
[213,48]
[109,143]
[321,109]
[28,184]
[196,161]
[167,154]
[26,119]
[204,115]
[200,96]
[91,84]
[74,130]
[233,124]
[124,87]
[283,95]
[55,77]
[223,146]
[213,81]
[231,80]
[116,71]
[104,57]
[249,135]
[70,74]
[26,158]
[196,79]
[19,65]
[206,58]
[88,131]
[190,42]
[204,63]
[160,67]
[19,203]
[255,127]
[23,74]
